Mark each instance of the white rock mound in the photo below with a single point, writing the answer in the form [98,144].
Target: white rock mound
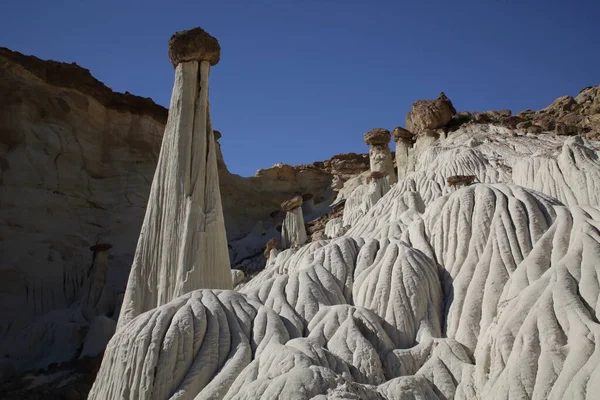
[434,292]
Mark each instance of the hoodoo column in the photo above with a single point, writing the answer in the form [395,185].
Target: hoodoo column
[380,156]
[182,244]
[293,232]
[404,151]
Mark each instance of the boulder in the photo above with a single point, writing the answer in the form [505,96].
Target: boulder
[492,116]
[194,45]
[430,114]
[565,129]
[547,124]
[307,196]
[463,180]
[524,125]
[400,133]
[512,121]
[590,95]
[561,105]
[377,136]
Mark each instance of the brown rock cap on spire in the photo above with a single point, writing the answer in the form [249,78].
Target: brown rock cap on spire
[401,133]
[194,45]
[272,244]
[291,204]
[101,247]
[377,136]
[460,180]
[307,196]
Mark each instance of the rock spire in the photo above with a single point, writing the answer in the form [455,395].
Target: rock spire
[293,231]
[379,152]
[182,245]
[404,155]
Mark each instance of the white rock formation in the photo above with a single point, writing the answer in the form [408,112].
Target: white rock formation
[487,291]
[293,231]
[237,276]
[334,227]
[99,334]
[364,197]
[183,245]
[429,114]
[572,177]
[380,156]
[405,160]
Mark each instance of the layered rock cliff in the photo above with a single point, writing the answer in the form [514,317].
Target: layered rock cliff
[76,165]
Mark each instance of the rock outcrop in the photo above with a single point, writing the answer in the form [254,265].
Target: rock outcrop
[380,156]
[183,245]
[404,155]
[430,316]
[566,116]
[430,114]
[365,197]
[343,165]
[293,231]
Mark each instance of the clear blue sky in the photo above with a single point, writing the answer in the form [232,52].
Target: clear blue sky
[302,80]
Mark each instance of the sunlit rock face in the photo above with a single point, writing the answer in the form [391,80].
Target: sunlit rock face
[434,292]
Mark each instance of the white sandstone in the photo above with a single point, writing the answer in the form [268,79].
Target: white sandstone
[183,245]
[489,291]
[333,228]
[293,231]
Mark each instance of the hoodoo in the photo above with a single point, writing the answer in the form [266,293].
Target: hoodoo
[182,245]
[95,301]
[404,156]
[380,156]
[293,232]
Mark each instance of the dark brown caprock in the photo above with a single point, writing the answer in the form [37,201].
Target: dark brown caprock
[462,180]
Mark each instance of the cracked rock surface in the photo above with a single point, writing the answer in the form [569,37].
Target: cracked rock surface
[486,291]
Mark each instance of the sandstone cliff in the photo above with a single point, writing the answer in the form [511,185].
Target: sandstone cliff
[76,164]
